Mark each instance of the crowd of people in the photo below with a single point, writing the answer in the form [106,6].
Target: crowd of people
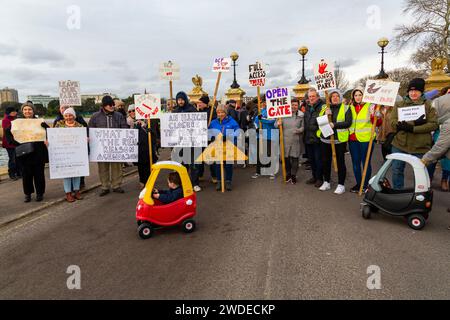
[304,143]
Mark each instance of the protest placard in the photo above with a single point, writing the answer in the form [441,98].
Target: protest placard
[411,113]
[278,102]
[381,92]
[28,130]
[147,106]
[257,75]
[221,65]
[324,76]
[184,130]
[69,93]
[113,145]
[169,71]
[68,152]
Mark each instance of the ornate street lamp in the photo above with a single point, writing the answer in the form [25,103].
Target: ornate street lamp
[382,43]
[234,56]
[303,51]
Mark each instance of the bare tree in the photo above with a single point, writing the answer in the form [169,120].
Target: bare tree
[430,29]
[341,80]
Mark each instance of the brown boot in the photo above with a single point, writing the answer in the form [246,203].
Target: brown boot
[78,195]
[69,197]
[444,185]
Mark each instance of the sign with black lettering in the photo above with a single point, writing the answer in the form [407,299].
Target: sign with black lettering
[257,75]
[113,145]
[69,93]
[184,130]
[324,76]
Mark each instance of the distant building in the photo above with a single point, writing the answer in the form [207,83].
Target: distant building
[41,99]
[8,94]
[97,97]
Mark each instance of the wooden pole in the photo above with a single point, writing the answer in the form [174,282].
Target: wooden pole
[222,173]
[369,150]
[150,149]
[283,162]
[215,97]
[171,95]
[333,146]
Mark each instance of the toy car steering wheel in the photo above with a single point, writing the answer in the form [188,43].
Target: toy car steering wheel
[385,183]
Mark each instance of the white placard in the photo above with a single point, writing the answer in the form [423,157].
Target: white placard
[68,152]
[278,103]
[113,145]
[221,65]
[169,71]
[324,76]
[184,130]
[411,113]
[381,92]
[324,126]
[257,75]
[69,93]
[147,106]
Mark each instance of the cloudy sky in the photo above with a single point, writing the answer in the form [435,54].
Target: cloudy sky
[117,46]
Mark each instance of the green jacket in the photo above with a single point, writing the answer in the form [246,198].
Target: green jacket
[419,141]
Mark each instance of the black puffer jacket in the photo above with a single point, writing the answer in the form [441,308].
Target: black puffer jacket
[113,120]
[311,125]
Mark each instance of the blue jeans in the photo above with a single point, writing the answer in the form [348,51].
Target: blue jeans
[72,184]
[398,169]
[228,168]
[358,151]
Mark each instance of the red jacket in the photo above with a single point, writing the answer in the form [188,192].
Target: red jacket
[6,124]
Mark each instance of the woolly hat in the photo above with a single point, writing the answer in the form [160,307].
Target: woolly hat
[417,84]
[70,111]
[204,99]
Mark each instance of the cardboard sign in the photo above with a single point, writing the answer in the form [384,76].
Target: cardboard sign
[69,93]
[113,145]
[28,130]
[148,106]
[221,65]
[278,103]
[169,71]
[411,113]
[184,130]
[257,75]
[324,76]
[68,152]
[381,92]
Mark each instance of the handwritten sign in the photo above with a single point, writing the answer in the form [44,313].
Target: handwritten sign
[411,113]
[184,130]
[221,65]
[28,130]
[169,71]
[381,92]
[324,76]
[113,145]
[278,103]
[68,152]
[257,75]
[69,93]
[147,106]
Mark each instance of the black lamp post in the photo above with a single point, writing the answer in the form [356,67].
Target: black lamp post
[234,56]
[303,51]
[382,43]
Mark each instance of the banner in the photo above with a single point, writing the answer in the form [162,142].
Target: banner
[257,75]
[221,65]
[147,106]
[113,145]
[69,93]
[28,130]
[184,130]
[411,113]
[169,71]
[324,76]
[381,92]
[68,152]
[278,102]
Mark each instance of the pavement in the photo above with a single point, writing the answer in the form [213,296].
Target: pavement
[263,240]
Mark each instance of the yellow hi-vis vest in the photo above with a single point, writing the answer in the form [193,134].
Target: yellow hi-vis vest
[343,134]
[362,126]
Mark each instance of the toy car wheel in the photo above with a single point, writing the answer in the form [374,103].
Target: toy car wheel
[416,221]
[188,226]
[366,212]
[145,231]
[139,222]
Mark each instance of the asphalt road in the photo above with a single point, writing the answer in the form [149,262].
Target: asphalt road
[264,240]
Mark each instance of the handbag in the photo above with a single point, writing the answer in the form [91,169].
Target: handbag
[24,149]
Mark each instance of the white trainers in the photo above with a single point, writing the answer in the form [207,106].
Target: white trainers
[325,186]
[272,177]
[197,189]
[256,176]
[340,189]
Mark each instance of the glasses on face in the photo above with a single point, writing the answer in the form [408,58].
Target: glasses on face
[130,111]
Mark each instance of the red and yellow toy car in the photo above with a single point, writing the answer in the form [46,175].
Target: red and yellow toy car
[151,214]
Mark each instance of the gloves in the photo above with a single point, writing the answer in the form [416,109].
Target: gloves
[259,116]
[420,121]
[378,114]
[45,125]
[404,126]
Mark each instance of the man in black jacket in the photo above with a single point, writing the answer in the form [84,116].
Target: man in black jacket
[203,106]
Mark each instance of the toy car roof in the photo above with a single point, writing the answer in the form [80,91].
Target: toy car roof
[167,163]
[412,160]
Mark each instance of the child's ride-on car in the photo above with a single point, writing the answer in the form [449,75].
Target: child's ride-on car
[414,204]
[152,214]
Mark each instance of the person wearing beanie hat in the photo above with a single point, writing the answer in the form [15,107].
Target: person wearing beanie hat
[412,137]
[131,119]
[14,171]
[59,117]
[231,110]
[110,173]
[363,115]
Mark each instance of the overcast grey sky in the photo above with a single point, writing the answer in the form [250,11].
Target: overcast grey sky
[120,44]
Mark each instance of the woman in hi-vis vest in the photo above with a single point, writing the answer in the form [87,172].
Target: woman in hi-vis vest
[360,131]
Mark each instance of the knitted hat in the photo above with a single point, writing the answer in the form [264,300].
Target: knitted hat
[9,110]
[204,99]
[417,84]
[131,107]
[70,111]
[107,101]
[28,104]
